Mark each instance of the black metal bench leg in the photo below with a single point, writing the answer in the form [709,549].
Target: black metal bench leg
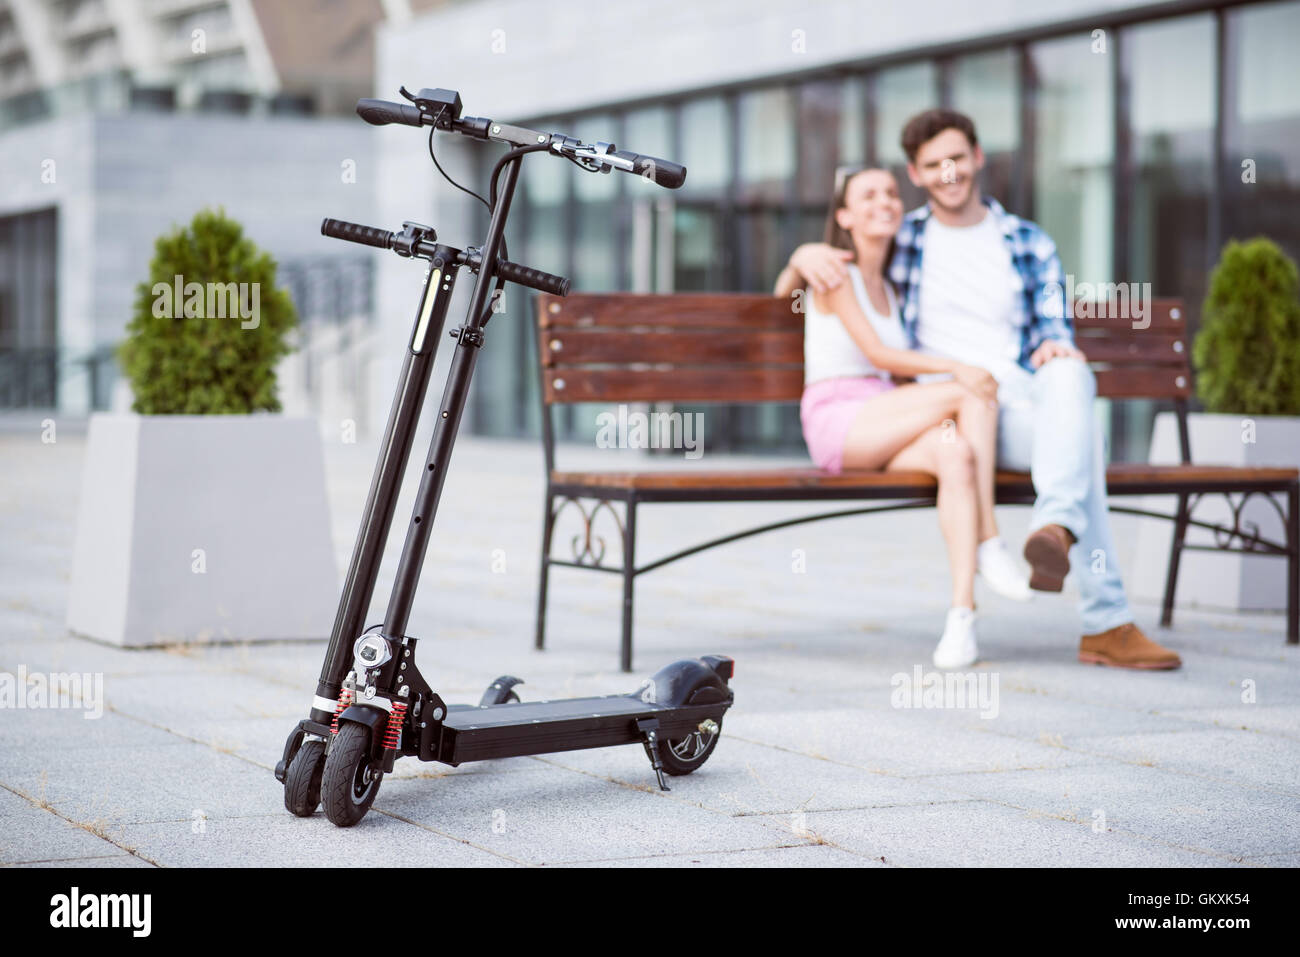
[543,576]
[1175,555]
[1293,564]
[629,573]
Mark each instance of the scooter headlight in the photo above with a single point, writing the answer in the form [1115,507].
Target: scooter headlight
[371,651]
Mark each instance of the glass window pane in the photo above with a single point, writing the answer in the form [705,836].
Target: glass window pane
[544,179]
[830,134]
[901,93]
[648,132]
[1074,151]
[1263,128]
[853,122]
[706,152]
[1171,66]
[984,88]
[767,143]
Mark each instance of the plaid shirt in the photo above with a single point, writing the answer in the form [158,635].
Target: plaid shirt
[1042,314]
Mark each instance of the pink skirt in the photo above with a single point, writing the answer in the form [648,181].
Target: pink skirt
[827,411]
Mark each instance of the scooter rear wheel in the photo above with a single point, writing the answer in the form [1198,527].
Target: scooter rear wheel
[302,780]
[349,786]
[684,755]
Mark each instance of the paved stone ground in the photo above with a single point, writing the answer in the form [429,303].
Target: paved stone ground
[1080,765]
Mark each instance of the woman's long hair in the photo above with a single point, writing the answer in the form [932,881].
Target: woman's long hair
[835,234]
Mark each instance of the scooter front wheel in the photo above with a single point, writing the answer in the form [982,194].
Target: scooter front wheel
[303,779]
[349,785]
[684,755]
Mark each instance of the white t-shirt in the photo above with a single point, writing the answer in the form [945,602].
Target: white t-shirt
[828,349]
[969,308]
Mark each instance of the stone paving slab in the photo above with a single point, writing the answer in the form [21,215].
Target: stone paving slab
[551,815]
[1231,822]
[983,834]
[281,840]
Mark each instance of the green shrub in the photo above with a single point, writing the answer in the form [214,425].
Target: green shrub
[1247,353]
[214,348]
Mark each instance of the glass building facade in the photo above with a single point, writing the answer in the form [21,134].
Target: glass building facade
[1141,143]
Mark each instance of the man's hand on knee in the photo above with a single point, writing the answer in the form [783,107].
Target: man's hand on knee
[1053,349]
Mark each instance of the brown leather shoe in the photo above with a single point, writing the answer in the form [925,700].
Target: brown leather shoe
[1125,646]
[1047,551]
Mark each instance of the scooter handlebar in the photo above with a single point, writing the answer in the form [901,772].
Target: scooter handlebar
[383,239]
[534,278]
[356,233]
[662,171]
[382,112]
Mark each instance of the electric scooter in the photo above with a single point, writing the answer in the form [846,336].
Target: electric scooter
[372,705]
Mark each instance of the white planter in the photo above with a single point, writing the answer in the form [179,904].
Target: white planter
[202,528]
[1209,579]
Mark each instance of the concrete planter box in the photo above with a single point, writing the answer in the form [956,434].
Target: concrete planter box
[1207,579]
[202,528]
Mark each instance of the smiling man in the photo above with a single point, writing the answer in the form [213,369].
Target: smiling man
[980,285]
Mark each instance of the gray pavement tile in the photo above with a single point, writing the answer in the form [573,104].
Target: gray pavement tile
[796,855]
[34,834]
[743,778]
[179,705]
[59,651]
[282,840]
[146,783]
[897,741]
[120,859]
[1271,719]
[550,815]
[1253,758]
[982,834]
[1230,821]
[27,734]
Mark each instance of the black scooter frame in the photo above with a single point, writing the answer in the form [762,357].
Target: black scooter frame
[684,699]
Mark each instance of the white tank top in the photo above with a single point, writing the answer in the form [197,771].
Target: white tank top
[828,349]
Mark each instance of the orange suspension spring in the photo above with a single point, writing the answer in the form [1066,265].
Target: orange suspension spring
[345,699]
[393,735]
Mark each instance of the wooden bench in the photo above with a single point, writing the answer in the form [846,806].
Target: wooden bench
[742,348]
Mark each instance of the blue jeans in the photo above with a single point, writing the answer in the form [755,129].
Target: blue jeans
[1047,427]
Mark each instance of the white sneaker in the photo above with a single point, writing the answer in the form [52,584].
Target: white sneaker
[1000,572]
[957,648]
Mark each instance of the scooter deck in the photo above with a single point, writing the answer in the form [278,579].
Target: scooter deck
[475,733]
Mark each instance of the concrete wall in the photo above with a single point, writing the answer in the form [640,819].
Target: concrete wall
[568,54]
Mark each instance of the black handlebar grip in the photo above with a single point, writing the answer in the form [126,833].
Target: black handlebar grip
[382,112]
[534,278]
[662,171]
[356,233]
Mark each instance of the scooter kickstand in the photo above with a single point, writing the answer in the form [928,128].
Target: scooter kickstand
[649,728]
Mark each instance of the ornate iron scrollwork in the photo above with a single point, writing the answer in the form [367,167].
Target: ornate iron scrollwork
[1241,536]
[583,551]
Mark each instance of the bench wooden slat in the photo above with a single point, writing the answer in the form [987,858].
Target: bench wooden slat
[1144,382]
[1155,348]
[568,347]
[718,310]
[778,384]
[1117,477]
[1164,315]
[699,384]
